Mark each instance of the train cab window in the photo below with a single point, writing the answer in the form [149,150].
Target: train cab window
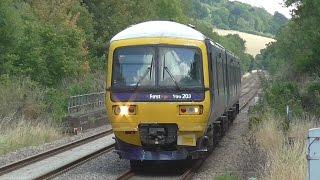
[180,66]
[134,66]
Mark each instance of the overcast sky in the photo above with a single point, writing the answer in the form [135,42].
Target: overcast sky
[270,5]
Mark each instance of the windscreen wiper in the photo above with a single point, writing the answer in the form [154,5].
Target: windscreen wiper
[149,70]
[171,76]
[168,71]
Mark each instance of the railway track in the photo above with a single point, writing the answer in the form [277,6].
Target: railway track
[188,174]
[16,166]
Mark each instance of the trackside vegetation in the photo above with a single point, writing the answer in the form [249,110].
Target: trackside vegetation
[52,49]
[293,63]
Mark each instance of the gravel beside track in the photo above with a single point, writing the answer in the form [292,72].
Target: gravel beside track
[107,166]
[34,150]
[229,157]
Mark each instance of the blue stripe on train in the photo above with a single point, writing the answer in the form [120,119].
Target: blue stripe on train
[158,96]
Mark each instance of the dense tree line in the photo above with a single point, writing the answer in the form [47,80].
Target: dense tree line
[243,17]
[295,58]
[297,45]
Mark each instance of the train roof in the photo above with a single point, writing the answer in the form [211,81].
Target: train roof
[155,29]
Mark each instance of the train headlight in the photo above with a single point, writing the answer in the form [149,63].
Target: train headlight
[190,110]
[124,110]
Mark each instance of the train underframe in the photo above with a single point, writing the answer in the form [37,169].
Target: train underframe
[159,141]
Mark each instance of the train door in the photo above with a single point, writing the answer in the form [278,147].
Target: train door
[239,78]
[225,84]
[212,79]
[232,81]
[235,78]
[227,78]
[219,78]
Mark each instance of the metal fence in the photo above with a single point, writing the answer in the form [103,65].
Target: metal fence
[86,103]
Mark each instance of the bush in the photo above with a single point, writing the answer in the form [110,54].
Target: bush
[311,98]
[21,97]
[280,94]
[57,104]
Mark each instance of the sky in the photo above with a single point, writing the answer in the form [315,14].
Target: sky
[270,5]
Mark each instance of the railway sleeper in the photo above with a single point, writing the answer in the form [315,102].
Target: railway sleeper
[224,125]
[216,134]
[230,115]
[238,107]
[234,109]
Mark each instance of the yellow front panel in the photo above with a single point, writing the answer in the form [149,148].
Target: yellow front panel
[158,112]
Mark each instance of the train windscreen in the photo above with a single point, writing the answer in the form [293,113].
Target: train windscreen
[144,66]
[179,67]
[134,66]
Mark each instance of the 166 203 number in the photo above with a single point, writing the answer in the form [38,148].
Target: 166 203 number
[182,96]
[186,96]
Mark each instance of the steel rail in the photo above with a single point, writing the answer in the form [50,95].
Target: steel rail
[36,158]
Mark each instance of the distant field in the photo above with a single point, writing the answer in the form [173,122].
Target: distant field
[254,43]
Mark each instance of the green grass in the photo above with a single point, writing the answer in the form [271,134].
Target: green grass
[226,177]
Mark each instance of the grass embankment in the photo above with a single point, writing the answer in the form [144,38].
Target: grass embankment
[26,134]
[24,115]
[32,114]
[282,148]
[276,146]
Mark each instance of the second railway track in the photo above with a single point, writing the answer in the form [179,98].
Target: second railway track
[6,170]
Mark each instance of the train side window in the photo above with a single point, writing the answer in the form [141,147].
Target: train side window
[211,69]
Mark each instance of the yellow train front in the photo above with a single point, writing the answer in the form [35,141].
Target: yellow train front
[171,92]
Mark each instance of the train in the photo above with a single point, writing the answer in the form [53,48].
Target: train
[171,92]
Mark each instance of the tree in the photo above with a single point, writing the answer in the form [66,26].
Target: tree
[47,45]
[10,33]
